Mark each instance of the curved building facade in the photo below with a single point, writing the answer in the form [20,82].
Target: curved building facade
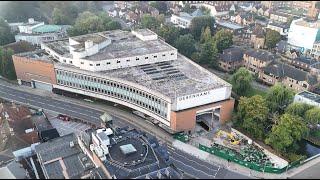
[140,71]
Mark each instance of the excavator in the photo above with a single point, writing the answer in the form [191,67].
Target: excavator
[232,139]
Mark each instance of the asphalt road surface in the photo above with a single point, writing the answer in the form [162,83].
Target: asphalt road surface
[190,165]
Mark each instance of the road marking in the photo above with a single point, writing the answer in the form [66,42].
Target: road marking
[196,162]
[192,167]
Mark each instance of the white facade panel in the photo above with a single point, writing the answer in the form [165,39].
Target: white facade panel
[302,36]
[202,98]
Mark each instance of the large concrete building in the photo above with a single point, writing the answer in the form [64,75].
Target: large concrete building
[36,32]
[303,34]
[134,69]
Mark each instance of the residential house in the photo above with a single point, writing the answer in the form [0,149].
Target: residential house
[278,16]
[132,17]
[236,29]
[282,47]
[184,19]
[282,28]
[290,76]
[257,37]
[244,19]
[231,59]
[255,60]
[315,51]
[292,54]
[262,11]
[113,12]
[303,63]
[144,8]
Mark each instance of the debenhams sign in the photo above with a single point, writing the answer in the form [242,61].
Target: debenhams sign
[194,96]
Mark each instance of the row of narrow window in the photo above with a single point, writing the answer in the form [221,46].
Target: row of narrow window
[112,84]
[128,60]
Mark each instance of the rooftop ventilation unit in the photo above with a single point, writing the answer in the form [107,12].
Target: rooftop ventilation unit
[71,144]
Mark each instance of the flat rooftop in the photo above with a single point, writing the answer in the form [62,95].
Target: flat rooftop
[172,78]
[36,55]
[61,161]
[229,25]
[309,95]
[307,23]
[123,44]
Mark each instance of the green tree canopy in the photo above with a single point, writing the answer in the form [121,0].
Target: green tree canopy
[287,132]
[241,81]
[59,18]
[200,22]
[279,97]
[185,45]
[148,21]
[186,8]
[6,36]
[7,69]
[223,39]
[169,33]
[272,38]
[298,109]
[312,116]
[87,22]
[208,53]
[252,115]
[160,5]
[205,35]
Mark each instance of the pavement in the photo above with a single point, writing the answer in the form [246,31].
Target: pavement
[91,112]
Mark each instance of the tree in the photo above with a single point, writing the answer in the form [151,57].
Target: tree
[208,53]
[185,45]
[278,98]
[298,109]
[6,36]
[287,132]
[160,5]
[205,35]
[272,38]
[206,11]
[200,22]
[312,116]
[187,8]
[252,115]
[223,39]
[88,22]
[148,21]
[241,81]
[169,33]
[59,18]
[7,69]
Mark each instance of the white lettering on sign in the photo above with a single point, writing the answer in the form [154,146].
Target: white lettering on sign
[194,96]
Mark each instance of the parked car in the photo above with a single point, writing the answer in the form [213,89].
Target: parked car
[63,117]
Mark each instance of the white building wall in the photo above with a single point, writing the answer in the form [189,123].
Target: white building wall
[181,22]
[302,36]
[301,99]
[201,98]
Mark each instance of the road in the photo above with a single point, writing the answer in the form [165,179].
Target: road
[183,161]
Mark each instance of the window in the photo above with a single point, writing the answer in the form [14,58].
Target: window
[70,62]
[82,63]
[146,57]
[137,59]
[172,54]
[118,61]
[91,64]
[108,62]
[128,60]
[97,64]
[163,55]
[155,56]
[64,60]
